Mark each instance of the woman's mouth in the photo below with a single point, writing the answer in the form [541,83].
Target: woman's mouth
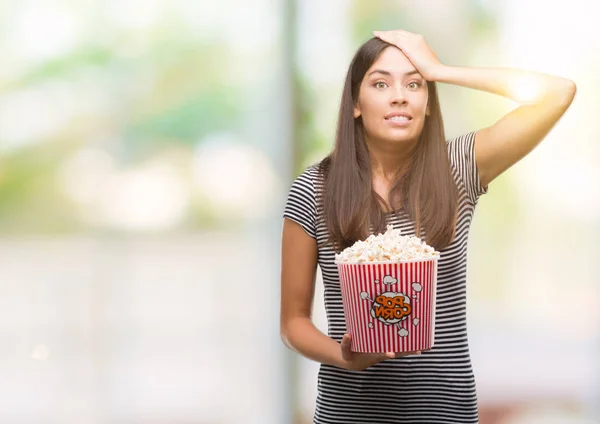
[399,121]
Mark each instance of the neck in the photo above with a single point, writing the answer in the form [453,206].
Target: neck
[387,160]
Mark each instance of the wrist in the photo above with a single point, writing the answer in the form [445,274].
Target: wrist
[337,358]
[439,73]
[342,364]
[339,361]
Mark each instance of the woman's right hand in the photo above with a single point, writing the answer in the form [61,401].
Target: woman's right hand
[356,361]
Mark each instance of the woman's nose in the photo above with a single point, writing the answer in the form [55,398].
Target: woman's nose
[397,96]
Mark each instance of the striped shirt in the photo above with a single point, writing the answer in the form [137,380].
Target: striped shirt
[437,386]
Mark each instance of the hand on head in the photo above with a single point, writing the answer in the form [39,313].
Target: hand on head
[414,46]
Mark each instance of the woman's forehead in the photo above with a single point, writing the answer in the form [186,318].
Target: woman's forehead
[392,61]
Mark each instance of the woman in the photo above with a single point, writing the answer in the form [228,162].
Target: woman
[392,165]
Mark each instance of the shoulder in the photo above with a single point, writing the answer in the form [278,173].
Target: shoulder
[460,148]
[307,180]
[301,204]
[461,153]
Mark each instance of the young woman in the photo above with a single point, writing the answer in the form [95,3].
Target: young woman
[391,164]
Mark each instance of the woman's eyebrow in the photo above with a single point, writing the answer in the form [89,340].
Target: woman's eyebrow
[383,72]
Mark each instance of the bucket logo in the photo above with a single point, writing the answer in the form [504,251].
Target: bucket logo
[392,308]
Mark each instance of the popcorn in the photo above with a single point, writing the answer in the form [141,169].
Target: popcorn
[387,247]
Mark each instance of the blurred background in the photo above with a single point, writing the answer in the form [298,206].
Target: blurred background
[146,151]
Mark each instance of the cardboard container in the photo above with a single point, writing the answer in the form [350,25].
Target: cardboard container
[389,307]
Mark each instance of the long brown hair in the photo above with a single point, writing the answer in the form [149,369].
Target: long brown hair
[425,188]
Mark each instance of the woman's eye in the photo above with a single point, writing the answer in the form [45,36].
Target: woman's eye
[379,84]
[414,84]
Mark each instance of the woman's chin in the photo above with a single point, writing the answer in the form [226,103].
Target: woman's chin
[400,138]
[395,137]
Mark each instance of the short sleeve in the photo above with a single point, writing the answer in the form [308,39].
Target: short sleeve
[461,151]
[301,205]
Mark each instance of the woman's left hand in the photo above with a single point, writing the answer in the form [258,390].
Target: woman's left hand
[415,48]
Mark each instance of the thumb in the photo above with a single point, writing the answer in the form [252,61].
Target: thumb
[346,342]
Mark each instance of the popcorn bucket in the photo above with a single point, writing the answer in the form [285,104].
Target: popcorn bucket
[389,307]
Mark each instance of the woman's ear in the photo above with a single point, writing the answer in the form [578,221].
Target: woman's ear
[427,113]
[356,111]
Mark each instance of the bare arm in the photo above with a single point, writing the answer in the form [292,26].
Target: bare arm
[516,134]
[298,332]
[298,269]
[498,147]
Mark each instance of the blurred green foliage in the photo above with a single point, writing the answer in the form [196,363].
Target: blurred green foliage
[167,91]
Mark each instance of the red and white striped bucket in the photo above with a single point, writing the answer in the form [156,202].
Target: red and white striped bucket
[389,307]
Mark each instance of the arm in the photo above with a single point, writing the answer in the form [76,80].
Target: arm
[503,144]
[298,268]
[511,138]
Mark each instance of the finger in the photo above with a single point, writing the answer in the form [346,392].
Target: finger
[391,37]
[381,357]
[346,344]
[376,357]
[380,34]
[384,35]
[391,34]
[399,354]
[404,32]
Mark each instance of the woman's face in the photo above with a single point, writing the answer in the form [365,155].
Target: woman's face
[392,87]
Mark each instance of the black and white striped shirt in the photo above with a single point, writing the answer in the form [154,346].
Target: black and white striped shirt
[437,386]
